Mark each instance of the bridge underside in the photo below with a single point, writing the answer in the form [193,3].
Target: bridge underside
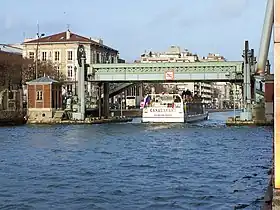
[233,80]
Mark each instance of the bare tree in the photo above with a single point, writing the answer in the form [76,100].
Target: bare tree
[10,69]
[15,70]
[45,68]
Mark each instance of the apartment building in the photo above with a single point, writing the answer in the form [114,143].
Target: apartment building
[226,94]
[173,54]
[61,50]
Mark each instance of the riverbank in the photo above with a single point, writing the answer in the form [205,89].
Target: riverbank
[86,121]
[231,121]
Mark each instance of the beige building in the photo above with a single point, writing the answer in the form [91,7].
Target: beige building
[213,57]
[61,49]
[173,54]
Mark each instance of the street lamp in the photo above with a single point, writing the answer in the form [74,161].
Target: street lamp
[39,36]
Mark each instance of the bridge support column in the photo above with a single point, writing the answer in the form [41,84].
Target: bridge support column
[106,100]
[80,115]
[246,115]
[141,90]
[99,101]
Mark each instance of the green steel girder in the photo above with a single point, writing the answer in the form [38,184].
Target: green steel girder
[152,68]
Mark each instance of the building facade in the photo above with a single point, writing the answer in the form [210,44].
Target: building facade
[226,95]
[61,50]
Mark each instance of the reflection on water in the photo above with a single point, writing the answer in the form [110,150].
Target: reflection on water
[205,165]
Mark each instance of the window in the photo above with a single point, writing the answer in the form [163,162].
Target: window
[97,58]
[39,96]
[69,88]
[112,59]
[57,69]
[69,55]
[31,55]
[56,56]
[44,56]
[70,71]
[11,95]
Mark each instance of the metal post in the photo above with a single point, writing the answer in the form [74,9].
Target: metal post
[39,36]
[234,94]
[121,105]
[79,88]
[106,99]
[99,100]
[245,76]
[36,61]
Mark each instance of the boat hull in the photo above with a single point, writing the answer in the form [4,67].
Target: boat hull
[163,120]
[186,119]
[197,117]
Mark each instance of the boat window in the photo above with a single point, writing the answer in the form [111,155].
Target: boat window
[177,99]
[167,98]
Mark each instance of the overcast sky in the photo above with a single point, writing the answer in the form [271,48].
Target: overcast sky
[130,26]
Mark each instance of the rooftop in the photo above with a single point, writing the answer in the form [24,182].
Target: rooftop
[67,36]
[10,49]
[42,80]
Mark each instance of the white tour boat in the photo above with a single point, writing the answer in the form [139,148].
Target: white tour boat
[171,108]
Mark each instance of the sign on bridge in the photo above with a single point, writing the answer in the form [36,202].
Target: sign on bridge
[169,75]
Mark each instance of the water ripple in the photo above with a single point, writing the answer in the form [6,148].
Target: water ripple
[135,166]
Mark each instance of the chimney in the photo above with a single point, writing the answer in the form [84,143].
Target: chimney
[68,34]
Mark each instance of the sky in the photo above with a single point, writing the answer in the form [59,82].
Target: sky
[130,26]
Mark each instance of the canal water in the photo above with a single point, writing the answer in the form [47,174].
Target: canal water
[135,166]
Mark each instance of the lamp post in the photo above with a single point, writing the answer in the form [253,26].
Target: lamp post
[39,36]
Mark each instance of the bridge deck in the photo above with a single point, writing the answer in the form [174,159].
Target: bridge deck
[198,71]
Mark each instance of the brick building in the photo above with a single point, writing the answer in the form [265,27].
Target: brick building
[269,97]
[44,98]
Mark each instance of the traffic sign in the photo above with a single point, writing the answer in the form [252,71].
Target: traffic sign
[169,75]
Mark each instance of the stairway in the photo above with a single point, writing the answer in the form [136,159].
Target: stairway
[58,115]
